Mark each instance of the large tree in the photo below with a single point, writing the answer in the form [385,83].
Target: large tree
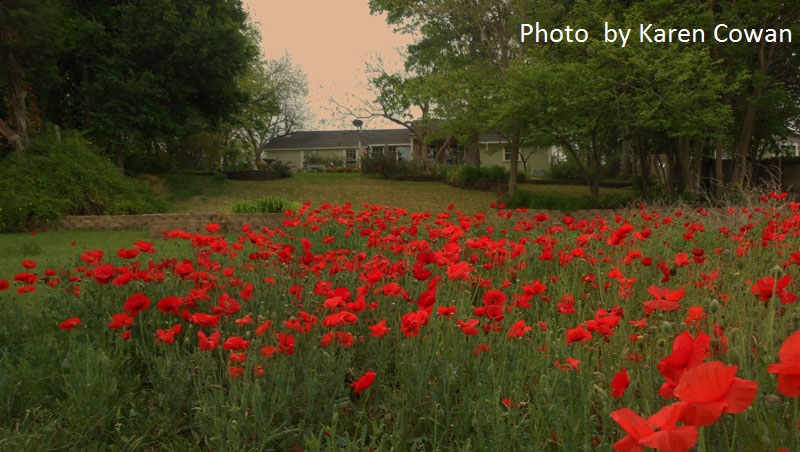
[154,70]
[275,105]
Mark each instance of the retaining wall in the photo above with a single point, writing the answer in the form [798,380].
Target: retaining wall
[158,223]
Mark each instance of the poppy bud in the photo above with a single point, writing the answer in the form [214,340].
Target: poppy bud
[713,306]
[666,326]
[661,343]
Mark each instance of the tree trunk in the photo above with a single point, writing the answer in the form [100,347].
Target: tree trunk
[682,173]
[742,145]
[625,161]
[597,161]
[644,167]
[17,132]
[472,152]
[719,172]
[513,164]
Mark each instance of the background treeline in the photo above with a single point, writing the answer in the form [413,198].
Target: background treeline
[155,84]
[614,112]
[148,85]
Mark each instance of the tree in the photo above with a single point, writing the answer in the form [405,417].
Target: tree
[32,33]
[155,70]
[464,50]
[275,105]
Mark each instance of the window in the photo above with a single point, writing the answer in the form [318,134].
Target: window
[507,154]
[350,155]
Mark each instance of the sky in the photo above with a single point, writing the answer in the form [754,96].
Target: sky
[330,41]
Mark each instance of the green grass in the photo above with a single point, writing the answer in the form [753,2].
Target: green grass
[51,249]
[206,194]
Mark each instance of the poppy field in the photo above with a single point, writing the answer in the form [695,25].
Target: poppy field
[373,328]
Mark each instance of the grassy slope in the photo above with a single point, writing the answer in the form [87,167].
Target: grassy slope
[202,194]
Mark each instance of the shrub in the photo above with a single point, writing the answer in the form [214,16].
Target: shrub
[282,169]
[564,171]
[68,178]
[556,201]
[481,177]
[264,205]
[388,167]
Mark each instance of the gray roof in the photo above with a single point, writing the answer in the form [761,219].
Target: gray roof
[341,139]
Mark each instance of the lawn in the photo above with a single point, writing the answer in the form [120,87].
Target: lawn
[203,194]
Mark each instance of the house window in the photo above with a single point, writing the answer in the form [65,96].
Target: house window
[350,155]
[507,154]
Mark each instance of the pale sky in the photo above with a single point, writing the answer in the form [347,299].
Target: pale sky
[330,40]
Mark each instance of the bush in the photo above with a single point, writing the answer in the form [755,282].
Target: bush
[564,171]
[264,205]
[481,177]
[387,167]
[68,178]
[567,202]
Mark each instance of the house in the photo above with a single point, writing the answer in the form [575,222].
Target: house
[314,149]
[341,147]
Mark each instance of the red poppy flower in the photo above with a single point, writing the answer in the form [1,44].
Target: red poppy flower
[658,431]
[263,328]
[145,247]
[364,382]
[237,358]
[28,264]
[4,284]
[711,389]
[235,371]
[694,315]
[460,270]
[127,254]
[70,323]
[567,305]
[620,383]
[286,342]
[235,343]
[687,352]
[104,274]
[578,334]
[665,299]
[764,289]
[379,329]
[203,319]
[136,303]
[208,342]
[788,369]
[26,278]
[92,257]
[468,327]
[169,305]
[168,336]
[121,320]
[518,329]
[411,323]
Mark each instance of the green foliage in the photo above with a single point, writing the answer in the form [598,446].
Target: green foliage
[566,171]
[264,205]
[281,168]
[67,178]
[481,177]
[528,198]
[323,159]
[388,167]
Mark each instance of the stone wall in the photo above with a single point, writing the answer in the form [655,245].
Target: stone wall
[158,223]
